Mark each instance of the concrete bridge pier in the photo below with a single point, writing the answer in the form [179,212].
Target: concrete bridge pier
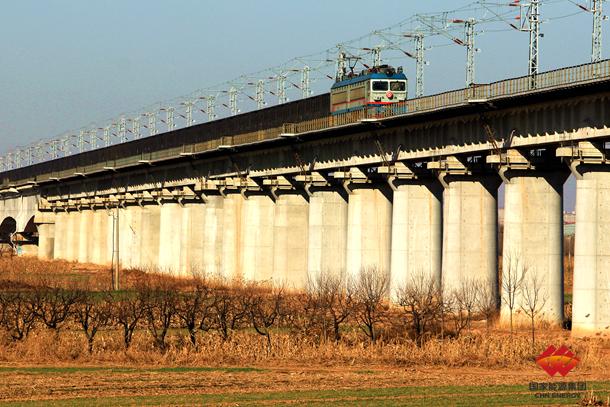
[257,238]
[470,226]
[212,239]
[101,237]
[151,228]
[533,240]
[84,218]
[327,234]
[416,232]
[45,223]
[170,241]
[60,238]
[72,236]
[591,290]
[591,293]
[290,239]
[232,209]
[130,236]
[369,228]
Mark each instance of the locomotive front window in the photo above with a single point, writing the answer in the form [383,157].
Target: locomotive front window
[380,85]
[398,86]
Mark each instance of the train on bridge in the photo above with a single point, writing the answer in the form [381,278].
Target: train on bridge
[375,87]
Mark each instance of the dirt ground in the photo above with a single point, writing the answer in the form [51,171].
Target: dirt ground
[23,383]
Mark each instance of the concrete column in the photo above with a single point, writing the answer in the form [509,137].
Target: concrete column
[61,238]
[193,224]
[470,231]
[591,294]
[101,250]
[85,234]
[72,236]
[46,241]
[213,231]
[327,234]
[417,232]
[290,240]
[257,238]
[170,238]
[151,230]
[130,236]
[231,264]
[533,237]
[369,230]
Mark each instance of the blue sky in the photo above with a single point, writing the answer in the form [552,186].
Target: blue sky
[69,63]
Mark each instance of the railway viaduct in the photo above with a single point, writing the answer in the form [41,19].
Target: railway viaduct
[410,190]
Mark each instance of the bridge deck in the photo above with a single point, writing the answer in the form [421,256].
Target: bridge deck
[481,93]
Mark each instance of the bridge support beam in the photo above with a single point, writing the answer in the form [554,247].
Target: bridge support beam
[151,228]
[591,291]
[46,241]
[170,237]
[85,234]
[327,234]
[212,239]
[290,239]
[369,229]
[61,228]
[257,238]
[231,265]
[533,240]
[101,237]
[416,232]
[470,232]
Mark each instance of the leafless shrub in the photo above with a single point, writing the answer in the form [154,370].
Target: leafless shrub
[330,301]
[513,275]
[486,301]
[227,310]
[534,299]
[465,299]
[18,312]
[127,311]
[264,308]
[53,305]
[370,291]
[195,308]
[159,307]
[92,312]
[419,299]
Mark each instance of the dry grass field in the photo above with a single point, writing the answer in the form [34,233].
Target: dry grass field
[254,345]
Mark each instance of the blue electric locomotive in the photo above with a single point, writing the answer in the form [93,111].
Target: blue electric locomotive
[377,86]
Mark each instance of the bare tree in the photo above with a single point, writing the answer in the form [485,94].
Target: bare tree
[534,299]
[53,305]
[19,313]
[331,302]
[159,307]
[265,308]
[227,311]
[92,312]
[370,290]
[513,275]
[195,309]
[465,298]
[487,301]
[419,299]
[127,311]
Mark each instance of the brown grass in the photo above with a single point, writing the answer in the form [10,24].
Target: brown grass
[477,347]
